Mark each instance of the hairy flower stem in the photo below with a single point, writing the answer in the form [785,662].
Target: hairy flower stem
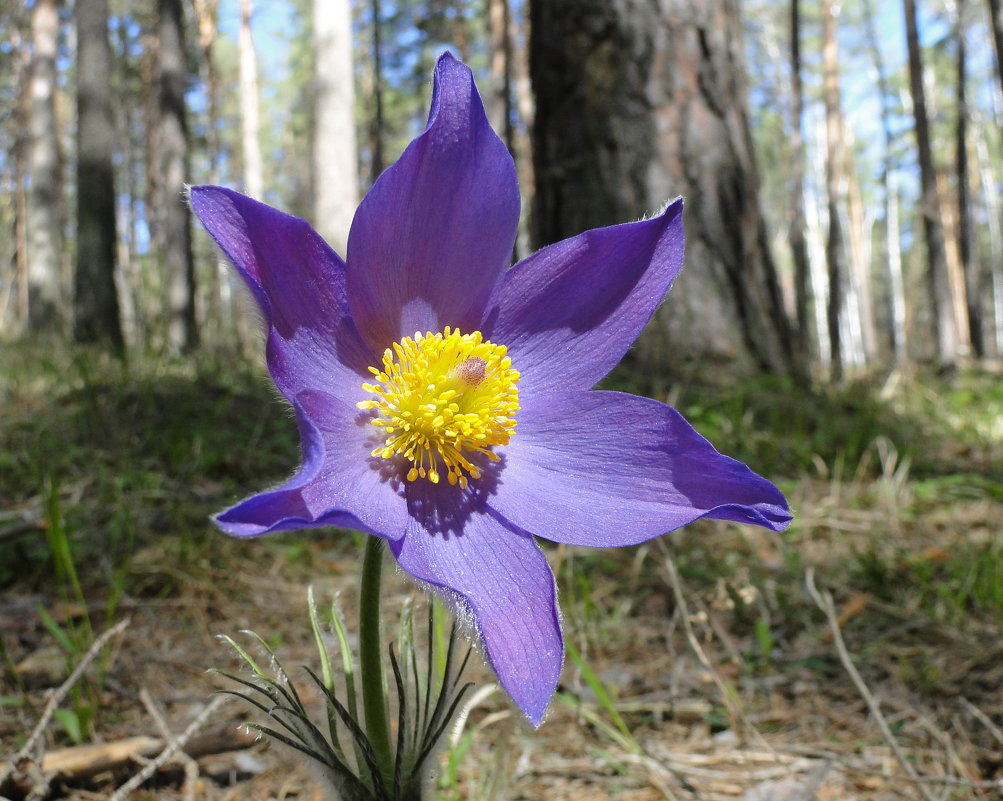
[374,697]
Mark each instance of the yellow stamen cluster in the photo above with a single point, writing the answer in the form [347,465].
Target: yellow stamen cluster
[441,396]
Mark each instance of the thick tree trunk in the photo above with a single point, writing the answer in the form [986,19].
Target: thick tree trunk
[95,299]
[171,159]
[706,154]
[47,309]
[639,101]
[254,181]
[336,190]
[933,229]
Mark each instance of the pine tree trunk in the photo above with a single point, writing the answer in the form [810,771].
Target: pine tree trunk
[933,229]
[250,118]
[640,101]
[969,266]
[996,23]
[797,223]
[171,158]
[835,253]
[47,309]
[730,294]
[335,161]
[95,299]
[376,124]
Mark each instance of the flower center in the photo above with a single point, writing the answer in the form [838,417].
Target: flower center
[441,396]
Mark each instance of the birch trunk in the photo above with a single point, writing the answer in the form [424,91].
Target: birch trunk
[249,114]
[334,157]
[47,308]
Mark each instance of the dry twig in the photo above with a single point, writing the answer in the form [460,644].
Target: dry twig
[825,603]
[173,746]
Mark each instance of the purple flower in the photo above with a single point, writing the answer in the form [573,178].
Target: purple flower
[444,401]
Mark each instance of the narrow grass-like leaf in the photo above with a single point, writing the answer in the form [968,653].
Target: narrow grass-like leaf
[602,695]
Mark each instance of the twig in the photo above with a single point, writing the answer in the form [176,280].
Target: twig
[57,697]
[191,767]
[826,605]
[983,718]
[173,746]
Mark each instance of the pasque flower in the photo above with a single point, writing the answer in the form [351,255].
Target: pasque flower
[445,400]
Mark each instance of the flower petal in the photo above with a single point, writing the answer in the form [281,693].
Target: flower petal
[299,283]
[607,469]
[569,312]
[338,484]
[501,576]
[435,233]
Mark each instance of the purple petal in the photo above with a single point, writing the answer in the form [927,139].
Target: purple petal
[501,576]
[435,233]
[569,312]
[338,484]
[607,469]
[299,283]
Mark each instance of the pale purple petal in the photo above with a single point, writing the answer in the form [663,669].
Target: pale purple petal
[299,282]
[435,233]
[339,483]
[569,312]
[607,469]
[501,576]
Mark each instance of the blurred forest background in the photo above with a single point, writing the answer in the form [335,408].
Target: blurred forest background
[838,326]
[841,161]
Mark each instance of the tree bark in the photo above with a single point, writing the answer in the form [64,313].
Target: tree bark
[47,309]
[95,299]
[636,102]
[376,124]
[969,266]
[835,251]
[996,23]
[933,229]
[250,118]
[797,223]
[171,158]
[335,162]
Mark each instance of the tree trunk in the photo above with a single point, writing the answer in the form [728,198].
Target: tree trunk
[969,266]
[705,153]
[95,299]
[500,97]
[893,249]
[797,223]
[47,309]
[376,124]
[835,252]
[996,22]
[171,159]
[249,115]
[936,252]
[335,163]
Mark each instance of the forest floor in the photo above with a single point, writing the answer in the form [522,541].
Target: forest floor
[857,656]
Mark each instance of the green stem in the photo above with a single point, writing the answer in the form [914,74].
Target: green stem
[374,696]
